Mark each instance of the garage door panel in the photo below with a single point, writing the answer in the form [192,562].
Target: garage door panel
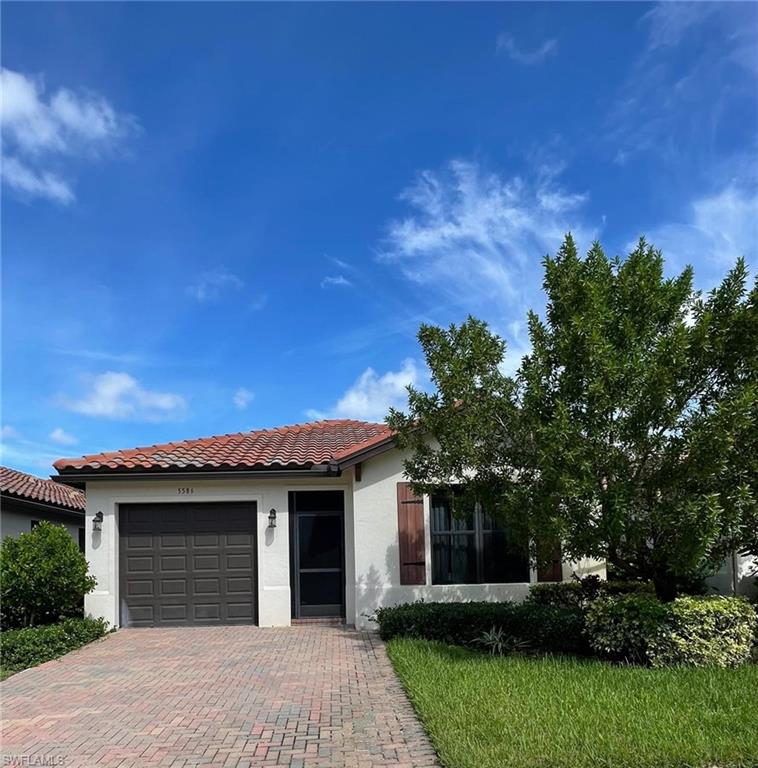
[236,562]
[140,564]
[241,612]
[173,563]
[184,564]
[209,562]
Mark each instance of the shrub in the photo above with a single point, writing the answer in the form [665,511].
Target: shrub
[694,631]
[44,577]
[621,628]
[541,627]
[580,592]
[22,648]
[706,631]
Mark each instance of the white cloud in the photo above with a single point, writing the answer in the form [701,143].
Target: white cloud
[370,397]
[31,183]
[58,435]
[507,44]
[335,280]
[717,230]
[8,433]
[242,398]
[37,130]
[211,285]
[479,238]
[115,395]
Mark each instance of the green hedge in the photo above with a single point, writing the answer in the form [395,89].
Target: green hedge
[579,593]
[692,631]
[540,627]
[22,648]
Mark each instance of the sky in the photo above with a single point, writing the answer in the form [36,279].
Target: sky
[221,217]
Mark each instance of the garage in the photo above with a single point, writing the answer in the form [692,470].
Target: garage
[187,564]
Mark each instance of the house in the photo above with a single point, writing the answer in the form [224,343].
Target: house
[302,522]
[25,500]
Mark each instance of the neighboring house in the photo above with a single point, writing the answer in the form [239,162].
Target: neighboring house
[25,500]
[311,520]
[737,576]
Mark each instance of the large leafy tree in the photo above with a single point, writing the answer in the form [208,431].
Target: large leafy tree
[630,432]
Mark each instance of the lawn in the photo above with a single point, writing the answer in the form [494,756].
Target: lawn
[526,712]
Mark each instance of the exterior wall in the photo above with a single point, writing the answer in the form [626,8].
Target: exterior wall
[737,575]
[272,561]
[377,559]
[16,519]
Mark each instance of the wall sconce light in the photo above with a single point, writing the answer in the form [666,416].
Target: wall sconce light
[97,522]
[272,518]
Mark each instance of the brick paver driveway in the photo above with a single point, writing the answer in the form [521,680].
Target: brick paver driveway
[227,696]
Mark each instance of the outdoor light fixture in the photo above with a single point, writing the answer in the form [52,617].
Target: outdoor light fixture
[272,518]
[97,522]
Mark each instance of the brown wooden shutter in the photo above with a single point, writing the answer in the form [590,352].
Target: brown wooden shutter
[552,571]
[410,526]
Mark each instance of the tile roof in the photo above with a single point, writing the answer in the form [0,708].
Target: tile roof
[298,446]
[31,488]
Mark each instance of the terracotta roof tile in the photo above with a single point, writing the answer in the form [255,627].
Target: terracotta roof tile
[31,488]
[295,446]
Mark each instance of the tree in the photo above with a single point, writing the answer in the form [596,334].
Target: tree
[44,576]
[630,431]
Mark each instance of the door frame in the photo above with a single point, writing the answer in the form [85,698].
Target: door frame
[294,532]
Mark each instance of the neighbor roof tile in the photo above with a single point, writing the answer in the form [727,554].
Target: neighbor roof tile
[31,488]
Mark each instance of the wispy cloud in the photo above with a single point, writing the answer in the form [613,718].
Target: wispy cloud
[478,237]
[371,395]
[717,230]
[8,432]
[40,132]
[210,285]
[22,453]
[507,44]
[117,395]
[60,436]
[672,104]
[242,398]
[335,280]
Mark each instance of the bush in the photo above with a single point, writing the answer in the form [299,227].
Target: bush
[581,592]
[22,648]
[706,631]
[540,627]
[44,577]
[693,631]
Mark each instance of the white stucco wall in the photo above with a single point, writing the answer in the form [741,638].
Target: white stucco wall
[737,575]
[13,522]
[377,559]
[274,607]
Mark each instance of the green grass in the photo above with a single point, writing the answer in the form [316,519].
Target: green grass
[526,712]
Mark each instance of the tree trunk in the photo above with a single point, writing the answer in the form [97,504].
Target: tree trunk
[665,586]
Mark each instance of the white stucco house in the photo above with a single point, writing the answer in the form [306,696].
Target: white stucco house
[298,523]
[26,500]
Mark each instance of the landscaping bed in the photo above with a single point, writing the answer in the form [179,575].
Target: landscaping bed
[24,648]
[561,712]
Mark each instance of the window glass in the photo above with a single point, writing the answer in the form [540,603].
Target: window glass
[472,548]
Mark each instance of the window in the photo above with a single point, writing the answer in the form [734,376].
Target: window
[470,548]
[82,540]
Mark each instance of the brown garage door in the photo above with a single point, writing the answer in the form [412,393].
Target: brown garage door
[187,564]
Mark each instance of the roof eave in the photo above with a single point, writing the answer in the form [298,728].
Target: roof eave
[79,478]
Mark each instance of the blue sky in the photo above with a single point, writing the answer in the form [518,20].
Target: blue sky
[218,217]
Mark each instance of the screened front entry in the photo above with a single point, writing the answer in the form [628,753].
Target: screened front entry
[317,543]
